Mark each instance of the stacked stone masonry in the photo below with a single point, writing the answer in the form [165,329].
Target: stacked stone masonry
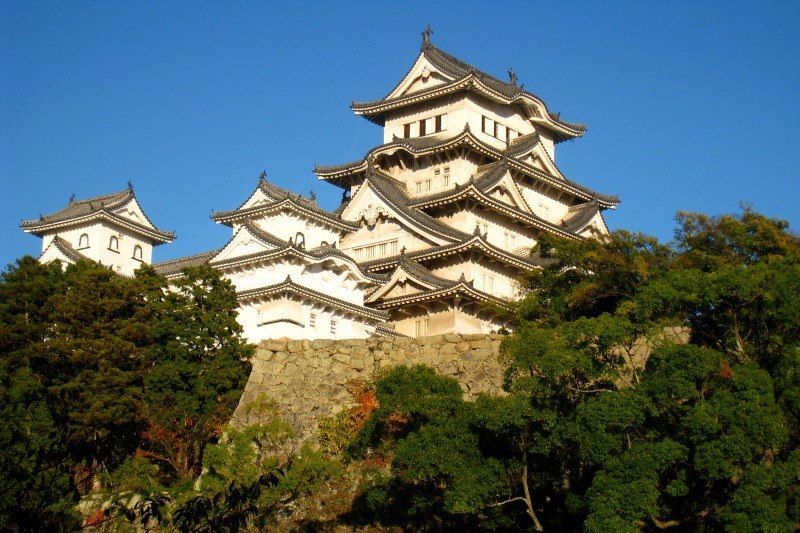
[313,380]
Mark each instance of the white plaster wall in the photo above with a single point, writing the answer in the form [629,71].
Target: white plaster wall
[450,105]
[550,206]
[255,331]
[382,231]
[286,225]
[100,234]
[338,284]
[461,169]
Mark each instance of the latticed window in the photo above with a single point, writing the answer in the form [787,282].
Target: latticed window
[312,320]
[333,326]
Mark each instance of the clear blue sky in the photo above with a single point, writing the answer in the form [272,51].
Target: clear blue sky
[690,105]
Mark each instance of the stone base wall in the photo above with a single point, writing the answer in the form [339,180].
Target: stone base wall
[312,380]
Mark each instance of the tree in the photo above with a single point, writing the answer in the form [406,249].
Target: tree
[200,366]
[91,363]
[588,436]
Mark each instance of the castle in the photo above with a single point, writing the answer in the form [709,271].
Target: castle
[432,236]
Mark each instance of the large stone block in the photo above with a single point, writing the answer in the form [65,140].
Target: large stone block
[308,380]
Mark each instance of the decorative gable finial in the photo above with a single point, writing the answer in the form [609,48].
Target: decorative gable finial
[130,185]
[263,175]
[512,77]
[313,196]
[403,252]
[426,34]
[72,198]
[477,231]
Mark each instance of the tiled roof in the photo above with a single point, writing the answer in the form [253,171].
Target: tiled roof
[106,203]
[176,266]
[419,145]
[387,329]
[79,208]
[282,198]
[66,248]
[423,274]
[471,243]
[460,70]
[521,145]
[388,189]
[289,286]
[461,287]
[580,215]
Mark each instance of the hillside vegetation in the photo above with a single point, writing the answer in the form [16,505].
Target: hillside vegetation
[116,394]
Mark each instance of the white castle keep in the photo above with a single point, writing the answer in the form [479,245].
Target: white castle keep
[434,232]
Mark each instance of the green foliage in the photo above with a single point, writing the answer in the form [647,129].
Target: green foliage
[35,486]
[244,455]
[200,365]
[702,436]
[95,366]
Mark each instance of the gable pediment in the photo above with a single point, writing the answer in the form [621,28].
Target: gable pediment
[402,283]
[244,242]
[367,207]
[507,191]
[423,75]
[257,198]
[132,211]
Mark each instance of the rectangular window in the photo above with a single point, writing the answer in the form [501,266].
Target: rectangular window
[494,131]
[444,121]
[427,185]
[421,128]
[312,320]
[446,177]
[407,130]
[419,187]
[333,326]
[484,124]
[421,327]
[393,247]
[438,124]
[508,135]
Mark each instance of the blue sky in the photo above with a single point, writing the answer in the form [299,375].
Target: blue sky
[690,105]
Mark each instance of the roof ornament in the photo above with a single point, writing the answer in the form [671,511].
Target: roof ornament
[72,198]
[512,77]
[263,175]
[313,196]
[344,195]
[130,185]
[477,231]
[426,34]
[403,252]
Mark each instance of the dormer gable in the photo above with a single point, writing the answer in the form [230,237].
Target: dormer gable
[247,240]
[422,75]
[376,200]
[408,278]
[132,211]
[507,191]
